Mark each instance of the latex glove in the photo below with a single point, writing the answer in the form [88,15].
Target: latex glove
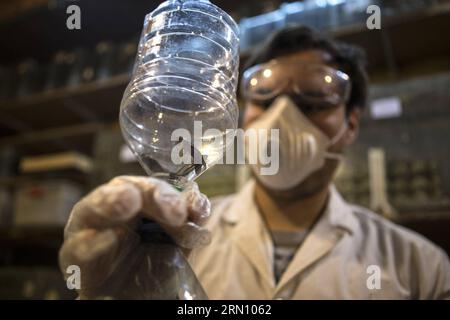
[101,232]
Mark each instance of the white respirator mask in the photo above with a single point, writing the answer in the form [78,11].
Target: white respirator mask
[303,147]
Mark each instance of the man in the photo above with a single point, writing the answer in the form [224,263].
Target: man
[285,236]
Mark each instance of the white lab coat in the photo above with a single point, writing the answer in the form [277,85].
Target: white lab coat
[339,259]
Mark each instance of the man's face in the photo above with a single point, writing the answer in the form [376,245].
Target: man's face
[329,121]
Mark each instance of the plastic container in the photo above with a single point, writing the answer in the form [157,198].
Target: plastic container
[186,70]
[185,75]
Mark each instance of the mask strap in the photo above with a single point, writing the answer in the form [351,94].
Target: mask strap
[339,135]
[334,156]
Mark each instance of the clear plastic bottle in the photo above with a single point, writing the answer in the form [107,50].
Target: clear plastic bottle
[156,270]
[186,70]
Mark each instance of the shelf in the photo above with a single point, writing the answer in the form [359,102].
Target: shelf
[32,236]
[404,45]
[42,31]
[56,162]
[71,175]
[30,246]
[403,42]
[101,20]
[79,137]
[73,111]
[92,102]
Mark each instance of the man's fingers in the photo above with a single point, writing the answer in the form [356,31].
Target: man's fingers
[180,214]
[160,201]
[189,236]
[120,202]
[123,198]
[86,245]
[106,206]
[199,207]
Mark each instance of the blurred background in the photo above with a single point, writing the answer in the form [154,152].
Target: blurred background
[60,92]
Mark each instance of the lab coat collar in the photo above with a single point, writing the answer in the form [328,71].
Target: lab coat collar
[252,237]
[250,234]
[339,213]
[337,220]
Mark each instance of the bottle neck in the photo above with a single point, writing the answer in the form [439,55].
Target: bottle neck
[151,232]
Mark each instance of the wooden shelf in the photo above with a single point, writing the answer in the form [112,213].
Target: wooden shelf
[32,236]
[102,20]
[72,175]
[30,246]
[403,42]
[63,119]
[96,102]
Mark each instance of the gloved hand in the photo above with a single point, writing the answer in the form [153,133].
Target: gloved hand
[101,232]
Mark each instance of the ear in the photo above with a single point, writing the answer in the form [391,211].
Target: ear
[353,120]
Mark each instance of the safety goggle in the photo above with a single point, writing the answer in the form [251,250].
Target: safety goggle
[310,84]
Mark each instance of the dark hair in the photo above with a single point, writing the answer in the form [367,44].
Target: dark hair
[349,58]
